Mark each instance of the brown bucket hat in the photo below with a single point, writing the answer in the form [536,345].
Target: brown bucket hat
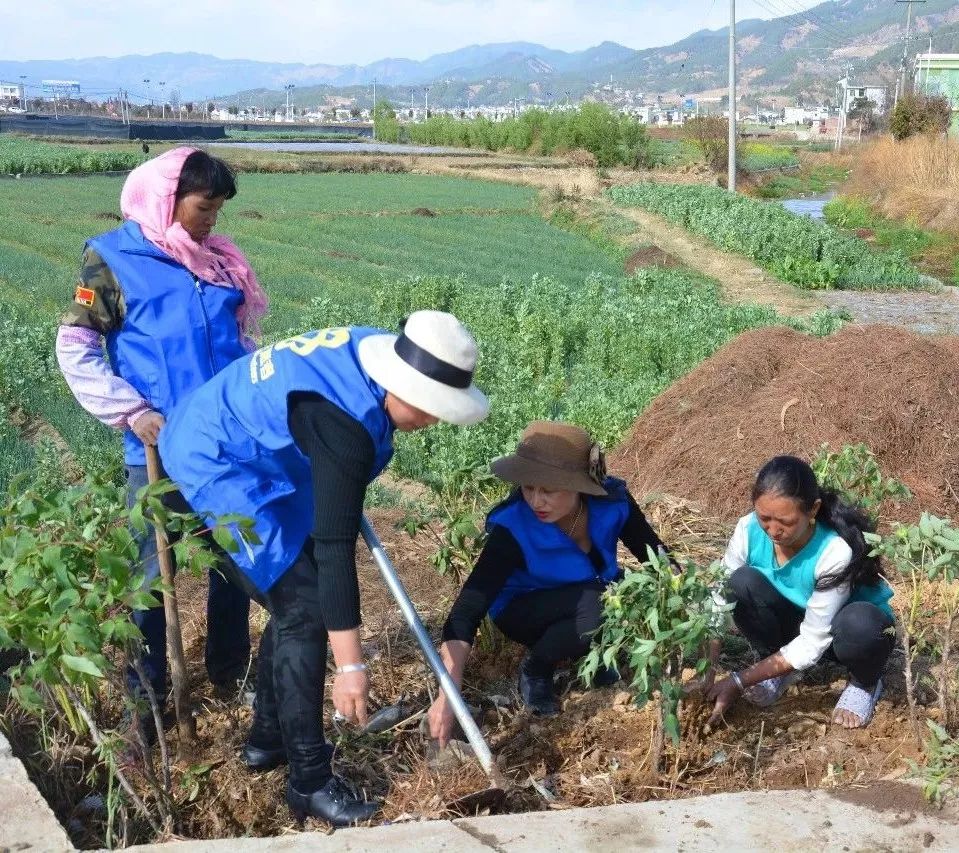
[554,455]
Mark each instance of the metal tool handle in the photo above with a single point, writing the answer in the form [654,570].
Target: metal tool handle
[453,696]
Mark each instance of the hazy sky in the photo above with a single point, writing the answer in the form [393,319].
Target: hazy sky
[341,32]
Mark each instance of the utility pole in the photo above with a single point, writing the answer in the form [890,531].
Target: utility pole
[23,87]
[162,99]
[731,177]
[427,90]
[374,109]
[901,85]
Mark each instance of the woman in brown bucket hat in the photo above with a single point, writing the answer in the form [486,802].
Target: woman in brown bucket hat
[550,553]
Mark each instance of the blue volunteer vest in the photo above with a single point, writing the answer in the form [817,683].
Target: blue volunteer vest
[177,331]
[229,448]
[796,579]
[552,558]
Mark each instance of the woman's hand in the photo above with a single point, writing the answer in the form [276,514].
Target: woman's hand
[351,691]
[724,693]
[147,427]
[704,683]
[441,719]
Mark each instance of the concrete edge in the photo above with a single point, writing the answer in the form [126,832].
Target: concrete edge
[26,821]
[753,820]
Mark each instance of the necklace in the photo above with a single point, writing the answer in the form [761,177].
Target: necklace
[572,527]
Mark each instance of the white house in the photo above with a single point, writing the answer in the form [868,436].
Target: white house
[848,92]
[10,92]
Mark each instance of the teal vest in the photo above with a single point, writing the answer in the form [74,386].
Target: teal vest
[177,331]
[552,558]
[796,579]
[229,448]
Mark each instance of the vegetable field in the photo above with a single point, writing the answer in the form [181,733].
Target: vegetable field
[563,332]
[798,250]
[19,156]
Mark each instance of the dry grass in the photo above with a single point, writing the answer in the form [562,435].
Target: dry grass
[917,179]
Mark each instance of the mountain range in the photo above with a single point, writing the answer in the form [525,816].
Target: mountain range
[799,54]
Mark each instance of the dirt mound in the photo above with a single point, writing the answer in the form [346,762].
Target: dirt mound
[773,391]
[650,256]
[423,211]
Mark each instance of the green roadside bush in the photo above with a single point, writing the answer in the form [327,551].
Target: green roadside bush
[613,139]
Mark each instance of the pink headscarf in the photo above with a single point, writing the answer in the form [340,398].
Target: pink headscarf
[148,198]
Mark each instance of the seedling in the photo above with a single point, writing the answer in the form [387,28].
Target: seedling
[926,557]
[659,620]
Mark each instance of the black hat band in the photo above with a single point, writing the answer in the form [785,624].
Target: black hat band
[429,365]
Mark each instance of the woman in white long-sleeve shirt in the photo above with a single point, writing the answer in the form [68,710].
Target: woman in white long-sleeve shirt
[804,586]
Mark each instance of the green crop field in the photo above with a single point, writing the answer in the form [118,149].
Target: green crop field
[565,333]
[21,156]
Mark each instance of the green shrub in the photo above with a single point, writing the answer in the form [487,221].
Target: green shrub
[855,474]
[915,113]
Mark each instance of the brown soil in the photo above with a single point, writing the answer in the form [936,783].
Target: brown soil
[773,391]
[423,211]
[596,752]
[888,796]
[650,256]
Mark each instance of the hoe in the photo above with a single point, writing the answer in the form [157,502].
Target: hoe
[496,793]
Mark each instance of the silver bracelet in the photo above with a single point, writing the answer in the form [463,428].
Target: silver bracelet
[351,667]
[738,679]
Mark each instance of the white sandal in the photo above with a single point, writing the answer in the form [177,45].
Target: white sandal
[860,702]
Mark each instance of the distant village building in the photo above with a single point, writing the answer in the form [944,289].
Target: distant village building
[10,92]
[848,92]
[805,115]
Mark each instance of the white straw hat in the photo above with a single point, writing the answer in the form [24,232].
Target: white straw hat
[430,366]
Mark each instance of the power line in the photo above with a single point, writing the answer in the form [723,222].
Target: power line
[811,17]
[828,32]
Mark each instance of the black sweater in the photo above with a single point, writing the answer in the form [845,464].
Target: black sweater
[341,457]
[502,556]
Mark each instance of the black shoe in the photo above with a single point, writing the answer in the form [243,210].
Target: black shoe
[537,692]
[333,803]
[262,760]
[605,676]
[241,689]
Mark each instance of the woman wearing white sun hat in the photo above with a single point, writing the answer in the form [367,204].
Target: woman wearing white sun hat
[291,436]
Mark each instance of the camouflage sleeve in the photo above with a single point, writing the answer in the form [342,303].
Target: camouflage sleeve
[98,300]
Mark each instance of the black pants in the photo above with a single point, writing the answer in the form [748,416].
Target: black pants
[861,637]
[554,624]
[291,670]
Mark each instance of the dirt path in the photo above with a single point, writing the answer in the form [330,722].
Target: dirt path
[741,280]
[925,312]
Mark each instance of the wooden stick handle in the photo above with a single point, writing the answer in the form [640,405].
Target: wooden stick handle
[186,725]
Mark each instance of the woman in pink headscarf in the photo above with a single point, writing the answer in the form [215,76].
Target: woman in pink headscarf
[174,304]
